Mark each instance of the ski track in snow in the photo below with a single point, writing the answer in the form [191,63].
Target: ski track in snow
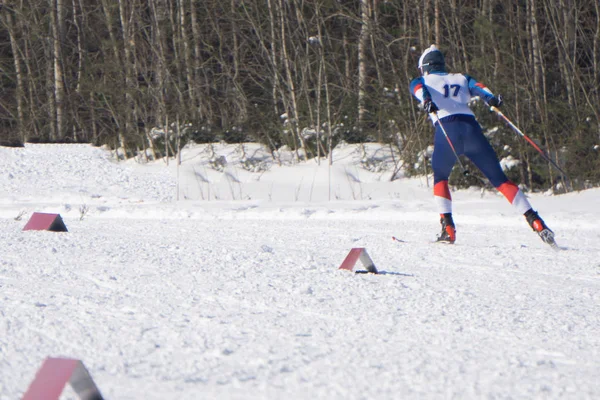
[244,300]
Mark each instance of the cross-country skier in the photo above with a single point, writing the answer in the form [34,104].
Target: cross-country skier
[446,96]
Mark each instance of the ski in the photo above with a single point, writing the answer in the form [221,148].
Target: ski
[546,235]
[398,240]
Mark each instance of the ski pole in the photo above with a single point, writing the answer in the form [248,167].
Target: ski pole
[524,136]
[462,167]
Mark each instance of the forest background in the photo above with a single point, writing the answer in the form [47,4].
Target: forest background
[300,74]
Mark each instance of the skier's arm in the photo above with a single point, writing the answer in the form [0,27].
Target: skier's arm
[419,90]
[479,89]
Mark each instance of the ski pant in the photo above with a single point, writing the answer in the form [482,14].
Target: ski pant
[467,138]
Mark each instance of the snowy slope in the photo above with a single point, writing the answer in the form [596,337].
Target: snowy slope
[235,292]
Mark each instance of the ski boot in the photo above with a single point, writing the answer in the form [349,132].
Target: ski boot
[539,227]
[448,234]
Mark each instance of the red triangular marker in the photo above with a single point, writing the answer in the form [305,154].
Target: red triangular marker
[53,375]
[45,222]
[358,253]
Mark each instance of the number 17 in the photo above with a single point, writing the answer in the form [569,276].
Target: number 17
[447,90]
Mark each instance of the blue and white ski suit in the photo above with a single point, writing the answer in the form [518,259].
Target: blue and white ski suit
[452,94]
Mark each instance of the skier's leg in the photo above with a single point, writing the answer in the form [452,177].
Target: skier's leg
[442,162]
[479,150]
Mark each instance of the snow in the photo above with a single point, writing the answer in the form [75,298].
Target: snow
[234,292]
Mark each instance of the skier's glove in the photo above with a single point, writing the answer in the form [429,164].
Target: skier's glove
[496,101]
[429,106]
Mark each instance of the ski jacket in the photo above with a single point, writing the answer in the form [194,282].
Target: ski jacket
[452,93]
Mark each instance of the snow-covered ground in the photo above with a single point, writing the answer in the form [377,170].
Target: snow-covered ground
[190,282]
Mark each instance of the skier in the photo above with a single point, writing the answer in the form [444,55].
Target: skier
[445,97]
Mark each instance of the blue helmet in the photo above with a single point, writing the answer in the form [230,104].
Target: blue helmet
[432,60]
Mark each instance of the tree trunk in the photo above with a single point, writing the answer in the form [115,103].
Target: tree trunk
[201,99]
[436,16]
[596,53]
[596,60]
[127,64]
[159,62]
[114,47]
[177,84]
[8,20]
[362,62]
[188,67]
[56,16]
[77,124]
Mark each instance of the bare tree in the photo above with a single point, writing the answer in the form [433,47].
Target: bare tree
[362,61]
[58,28]
[7,19]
